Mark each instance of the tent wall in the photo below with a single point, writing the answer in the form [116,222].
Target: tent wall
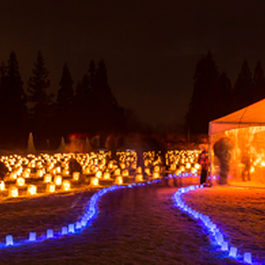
[233,150]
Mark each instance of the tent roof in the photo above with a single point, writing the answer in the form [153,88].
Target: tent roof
[252,115]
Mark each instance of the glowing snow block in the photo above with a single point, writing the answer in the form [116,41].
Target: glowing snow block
[212,227]
[2,185]
[40,173]
[219,238]
[83,222]
[13,191]
[78,225]
[32,236]
[50,187]
[156,175]
[98,174]
[9,240]
[58,180]
[119,180]
[94,182]
[47,178]
[106,175]
[233,252]
[32,190]
[71,228]
[66,185]
[247,258]
[49,233]
[224,246]
[216,230]
[20,181]
[64,230]
[139,177]
[76,176]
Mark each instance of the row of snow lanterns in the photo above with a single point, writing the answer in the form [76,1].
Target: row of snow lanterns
[54,179]
[70,228]
[218,236]
[181,162]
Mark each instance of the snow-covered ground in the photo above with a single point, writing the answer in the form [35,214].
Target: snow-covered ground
[139,225]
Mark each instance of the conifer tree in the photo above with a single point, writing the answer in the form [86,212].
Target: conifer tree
[110,116]
[15,120]
[243,94]
[258,82]
[202,108]
[224,96]
[64,104]
[41,102]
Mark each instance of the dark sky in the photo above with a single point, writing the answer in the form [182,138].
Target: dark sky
[150,47]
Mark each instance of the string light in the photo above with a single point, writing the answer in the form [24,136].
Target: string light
[231,251]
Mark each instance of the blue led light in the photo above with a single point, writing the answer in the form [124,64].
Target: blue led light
[232,252]
[87,216]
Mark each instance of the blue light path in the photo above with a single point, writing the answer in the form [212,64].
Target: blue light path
[88,215]
[219,239]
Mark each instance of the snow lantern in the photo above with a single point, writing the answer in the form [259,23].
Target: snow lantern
[66,185]
[13,191]
[32,189]
[76,175]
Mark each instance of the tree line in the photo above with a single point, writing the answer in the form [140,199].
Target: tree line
[88,108]
[214,95]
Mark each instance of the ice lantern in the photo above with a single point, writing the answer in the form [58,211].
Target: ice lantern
[94,181]
[32,190]
[50,187]
[49,233]
[9,240]
[13,191]
[76,176]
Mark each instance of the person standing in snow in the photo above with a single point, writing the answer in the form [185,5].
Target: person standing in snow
[203,161]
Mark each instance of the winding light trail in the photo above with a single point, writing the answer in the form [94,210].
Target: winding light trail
[218,236]
[77,227]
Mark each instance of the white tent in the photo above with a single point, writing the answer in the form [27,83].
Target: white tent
[235,139]
[252,115]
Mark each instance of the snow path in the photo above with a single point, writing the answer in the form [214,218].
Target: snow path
[134,226]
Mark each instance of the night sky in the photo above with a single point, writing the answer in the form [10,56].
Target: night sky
[150,48]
